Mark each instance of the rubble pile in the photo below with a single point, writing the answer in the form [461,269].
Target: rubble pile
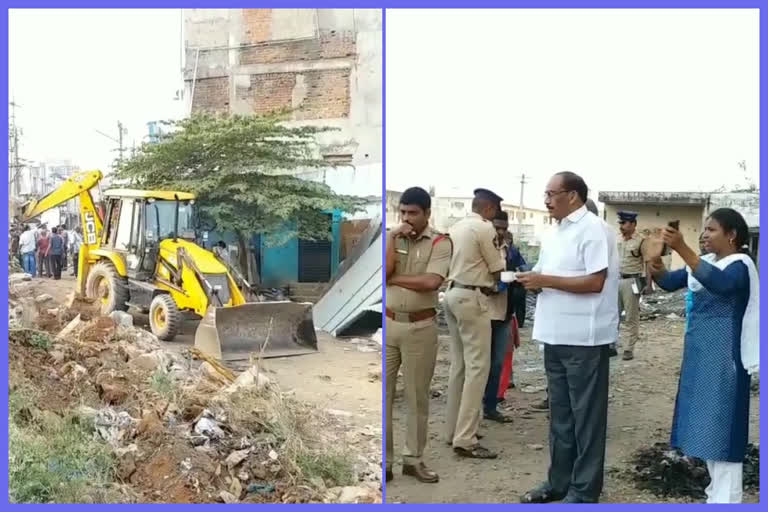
[663,304]
[182,428]
[668,473]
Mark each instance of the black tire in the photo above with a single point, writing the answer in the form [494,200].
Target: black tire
[164,317]
[105,284]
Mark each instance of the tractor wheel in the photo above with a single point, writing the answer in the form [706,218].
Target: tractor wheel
[106,285]
[164,317]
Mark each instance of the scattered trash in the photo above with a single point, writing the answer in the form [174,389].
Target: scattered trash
[227,497]
[208,427]
[261,488]
[273,454]
[536,447]
[668,473]
[113,426]
[236,457]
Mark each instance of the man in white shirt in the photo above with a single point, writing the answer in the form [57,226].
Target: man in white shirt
[576,320]
[28,248]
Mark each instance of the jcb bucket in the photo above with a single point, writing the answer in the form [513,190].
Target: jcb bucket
[259,329]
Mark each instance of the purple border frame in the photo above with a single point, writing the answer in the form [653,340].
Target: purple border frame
[383,4]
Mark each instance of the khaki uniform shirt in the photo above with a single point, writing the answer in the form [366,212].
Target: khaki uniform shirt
[498,301]
[630,256]
[429,253]
[475,256]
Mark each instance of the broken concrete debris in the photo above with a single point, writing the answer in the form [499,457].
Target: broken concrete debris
[163,412]
[121,318]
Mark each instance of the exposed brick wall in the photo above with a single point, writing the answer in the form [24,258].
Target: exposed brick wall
[258,25]
[211,95]
[330,44]
[269,92]
[327,95]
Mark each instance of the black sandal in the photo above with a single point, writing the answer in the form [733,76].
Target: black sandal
[498,417]
[542,494]
[476,452]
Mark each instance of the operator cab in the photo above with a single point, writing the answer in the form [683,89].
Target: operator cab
[136,221]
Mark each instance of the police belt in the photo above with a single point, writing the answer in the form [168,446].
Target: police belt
[631,276]
[415,316]
[483,289]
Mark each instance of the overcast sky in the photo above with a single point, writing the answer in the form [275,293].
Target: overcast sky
[631,100]
[77,71]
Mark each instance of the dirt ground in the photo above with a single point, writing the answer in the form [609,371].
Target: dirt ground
[641,403]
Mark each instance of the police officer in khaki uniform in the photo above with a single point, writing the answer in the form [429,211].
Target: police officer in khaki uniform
[417,262]
[635,277]
[475,269]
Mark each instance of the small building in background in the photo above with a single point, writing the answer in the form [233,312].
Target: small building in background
[656,209]
[321,66]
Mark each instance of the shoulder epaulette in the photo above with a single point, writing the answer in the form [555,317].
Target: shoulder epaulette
[442,236]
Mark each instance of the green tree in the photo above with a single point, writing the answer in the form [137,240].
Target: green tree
[239,167]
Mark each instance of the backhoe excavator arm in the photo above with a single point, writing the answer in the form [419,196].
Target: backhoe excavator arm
[79,185]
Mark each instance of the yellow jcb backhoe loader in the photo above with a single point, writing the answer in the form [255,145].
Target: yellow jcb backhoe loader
[143,254]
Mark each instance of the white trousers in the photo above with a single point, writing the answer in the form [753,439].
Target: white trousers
[726,484]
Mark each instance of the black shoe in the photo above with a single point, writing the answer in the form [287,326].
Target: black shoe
[389,475]
[475,452]
[628,355]
[497,417]
[541,494]
[421,473]
[612,352]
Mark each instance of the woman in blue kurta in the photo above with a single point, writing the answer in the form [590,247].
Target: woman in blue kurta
[711,415]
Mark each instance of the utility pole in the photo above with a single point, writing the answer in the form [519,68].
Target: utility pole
[523,182]
[121,131]
[14,147]
[120,135]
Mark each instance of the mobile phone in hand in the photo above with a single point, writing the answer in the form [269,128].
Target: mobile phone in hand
[675,224]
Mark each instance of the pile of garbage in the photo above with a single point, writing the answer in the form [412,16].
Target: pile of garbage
[662,304]
[667,472]
[274,294]
[182,427]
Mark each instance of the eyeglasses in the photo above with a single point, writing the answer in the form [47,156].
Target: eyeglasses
[549,194]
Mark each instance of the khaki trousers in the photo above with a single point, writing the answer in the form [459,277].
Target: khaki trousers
[630,303]
[412,346]
[469,322]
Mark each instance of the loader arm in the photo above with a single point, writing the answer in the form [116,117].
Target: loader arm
[79,185]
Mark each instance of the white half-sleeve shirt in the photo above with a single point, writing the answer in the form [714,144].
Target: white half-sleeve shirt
[582,244]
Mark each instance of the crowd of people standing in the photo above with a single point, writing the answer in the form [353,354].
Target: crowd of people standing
[586,276]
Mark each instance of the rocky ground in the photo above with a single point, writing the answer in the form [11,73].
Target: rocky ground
[103,412]
[640,413]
